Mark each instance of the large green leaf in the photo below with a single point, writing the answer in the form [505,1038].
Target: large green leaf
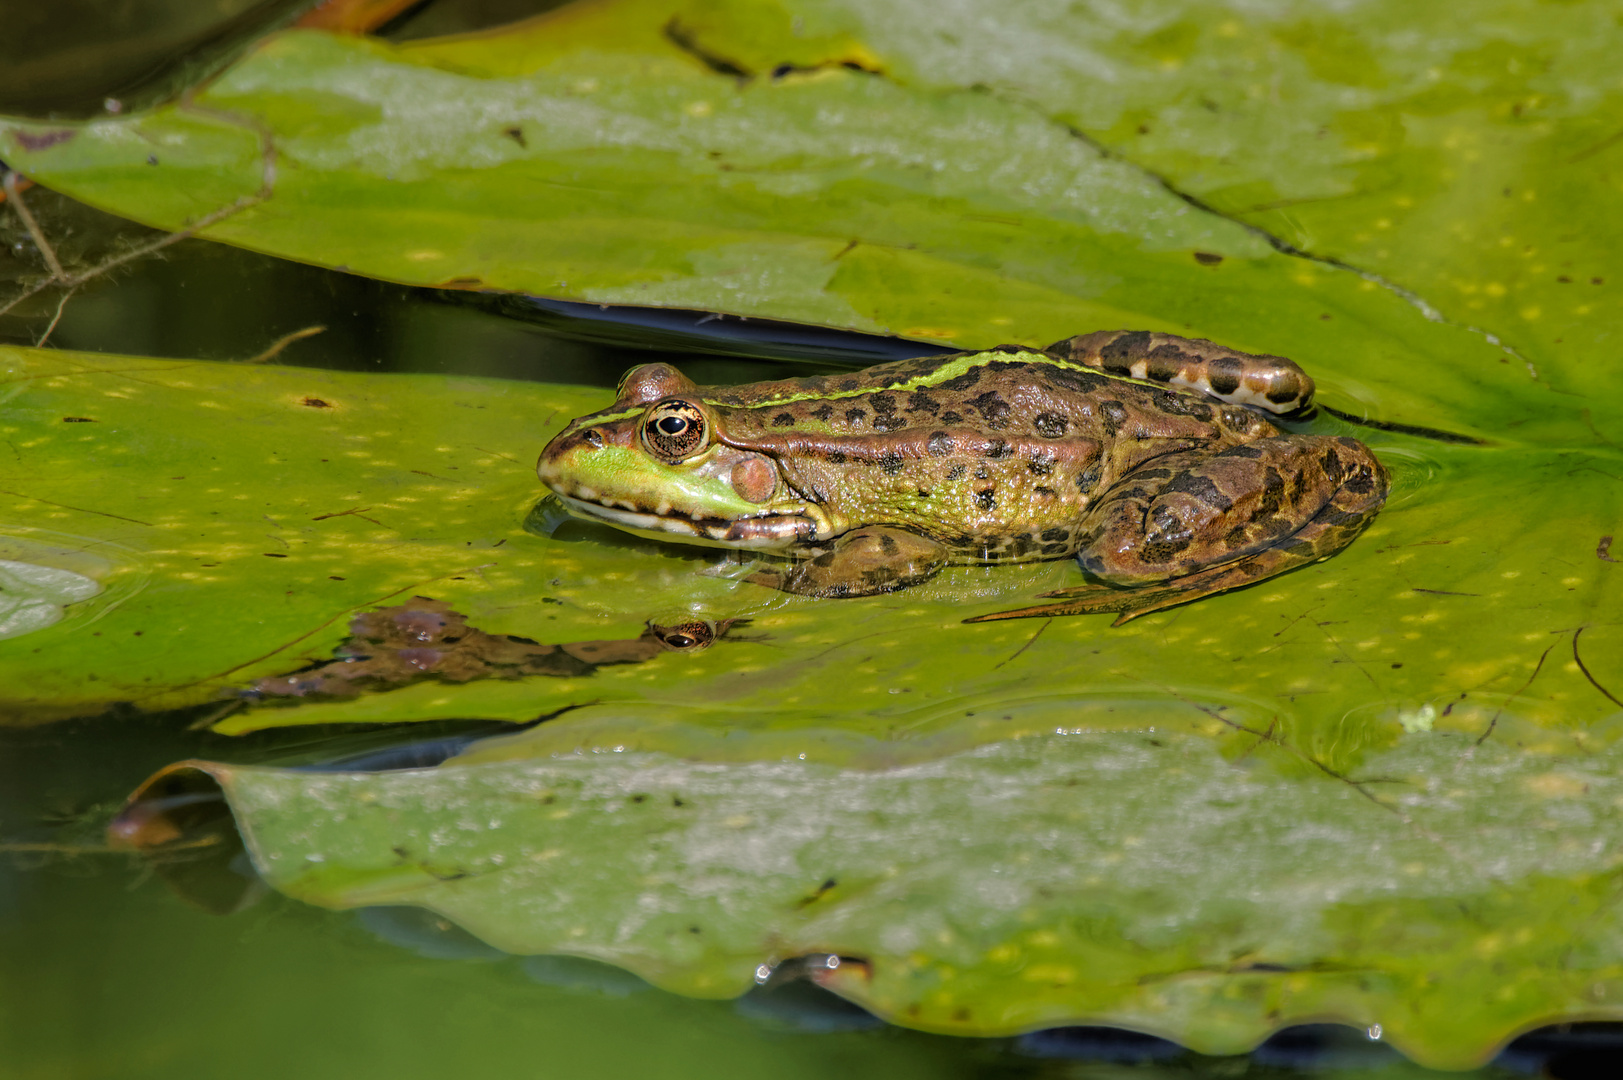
[615,151]
[243,514]
[1166,880]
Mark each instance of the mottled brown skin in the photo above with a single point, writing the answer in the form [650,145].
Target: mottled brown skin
[875,479]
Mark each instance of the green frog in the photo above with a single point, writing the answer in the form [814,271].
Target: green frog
[1145,456]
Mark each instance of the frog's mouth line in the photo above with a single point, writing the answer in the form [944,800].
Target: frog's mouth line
[768,532]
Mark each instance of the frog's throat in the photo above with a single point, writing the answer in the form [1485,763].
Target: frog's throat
[765,533]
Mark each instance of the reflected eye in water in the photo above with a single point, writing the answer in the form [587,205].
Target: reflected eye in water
[691,636]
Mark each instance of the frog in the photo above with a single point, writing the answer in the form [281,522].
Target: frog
[1154,460]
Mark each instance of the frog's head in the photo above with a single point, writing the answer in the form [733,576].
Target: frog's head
[658,461]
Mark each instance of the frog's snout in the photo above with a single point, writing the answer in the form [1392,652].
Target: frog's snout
[563,457]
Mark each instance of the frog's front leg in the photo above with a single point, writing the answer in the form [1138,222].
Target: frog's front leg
[862,562]
[1191,524]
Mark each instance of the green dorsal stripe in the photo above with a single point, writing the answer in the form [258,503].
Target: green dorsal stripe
[953,368]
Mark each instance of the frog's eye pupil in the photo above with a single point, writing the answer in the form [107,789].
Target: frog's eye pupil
[674,430]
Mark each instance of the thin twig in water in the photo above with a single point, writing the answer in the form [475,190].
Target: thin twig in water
[61,306]
[12,183]
[14,195]
[276,347]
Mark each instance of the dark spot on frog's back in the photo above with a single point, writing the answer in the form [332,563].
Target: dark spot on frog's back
[1164,361]
[1120,353]
[1331,461]
[986,500]
[883,423]
[1223,374]
[997,449]
[1065,380]
[1114,415]
[891,462]
[850,384]
[961,382]
[939,444]
[1202,488]
[1285,388]
[1051,425]
[957,472]
[855,416]
[1273,492]
[993,409]
[1360,482]
[883,404]
[783,419]
[824,412]
[921,401]
[1175,404]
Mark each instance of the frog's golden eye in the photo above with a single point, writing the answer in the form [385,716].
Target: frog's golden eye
[675,430]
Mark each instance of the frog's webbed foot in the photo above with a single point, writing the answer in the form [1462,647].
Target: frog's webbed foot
[863,562]
[1184,527]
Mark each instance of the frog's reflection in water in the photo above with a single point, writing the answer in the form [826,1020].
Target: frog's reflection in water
[424,639]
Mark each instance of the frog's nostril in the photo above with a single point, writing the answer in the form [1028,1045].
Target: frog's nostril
[592,439]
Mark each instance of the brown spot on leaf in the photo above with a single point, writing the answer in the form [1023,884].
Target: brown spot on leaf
[45,139]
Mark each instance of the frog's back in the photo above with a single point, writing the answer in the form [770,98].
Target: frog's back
[995,454]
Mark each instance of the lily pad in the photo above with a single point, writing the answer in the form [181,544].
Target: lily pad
[1453,892]
[744,158]
[264,507]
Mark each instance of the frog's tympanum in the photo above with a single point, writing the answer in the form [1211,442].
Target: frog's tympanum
[1144,455]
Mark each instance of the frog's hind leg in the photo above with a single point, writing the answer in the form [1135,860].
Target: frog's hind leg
[863,562]
[1274,383]
[1168,535]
